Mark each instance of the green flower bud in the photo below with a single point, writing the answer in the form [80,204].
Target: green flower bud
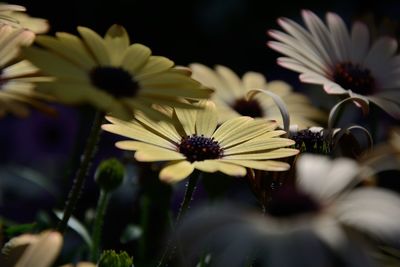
[109,174]
[109,258]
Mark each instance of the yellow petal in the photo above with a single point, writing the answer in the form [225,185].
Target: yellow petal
[116,41]
[266,165]
[259,144]
[206,119]
[161,128]
[135,58]
[12,42]
[225,129]
[246,132]
[253,80]
[134,131]
[66,51]
[138,145]
[155,64]
[96,45]
[217,165]
[20,68]
[157,154]
[67,92]
[176,171]
[54,65]
[231,80]
[77,45]
[187,117]
[274,154]
[147,109]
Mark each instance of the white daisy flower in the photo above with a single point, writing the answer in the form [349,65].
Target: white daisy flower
[342,61]
[307,224]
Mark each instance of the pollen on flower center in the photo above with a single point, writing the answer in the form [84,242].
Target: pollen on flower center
[198,148]
[354,77]
[249,108]
[114,81]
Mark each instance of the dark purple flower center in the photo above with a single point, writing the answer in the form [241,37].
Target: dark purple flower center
[354,77]
[249,108]
[198,148]
[115,81]
[287,201]
[311,142]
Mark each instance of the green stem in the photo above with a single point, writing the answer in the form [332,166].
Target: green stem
[190,188]
[81,174]
[101,209]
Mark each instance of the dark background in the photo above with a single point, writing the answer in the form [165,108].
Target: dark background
[228,32]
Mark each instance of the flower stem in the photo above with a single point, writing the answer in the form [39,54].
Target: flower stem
[190,188]
[98,224]
[81,174]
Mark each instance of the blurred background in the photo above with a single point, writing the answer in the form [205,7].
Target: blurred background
[39,154]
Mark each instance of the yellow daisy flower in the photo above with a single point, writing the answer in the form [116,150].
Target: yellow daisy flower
[194,141]
[16,77]
[111,74]
[231,101]
[14,15]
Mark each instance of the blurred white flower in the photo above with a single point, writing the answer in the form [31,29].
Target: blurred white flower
[317,222]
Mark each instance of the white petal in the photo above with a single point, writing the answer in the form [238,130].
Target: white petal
[324,178]
[373,210]
[360,42]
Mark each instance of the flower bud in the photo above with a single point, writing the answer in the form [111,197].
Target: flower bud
[110,258]
[109,174]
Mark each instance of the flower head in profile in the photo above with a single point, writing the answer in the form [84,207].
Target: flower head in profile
[17,76]
[111,74]
[232,101]
[15,16]
[342,61]
[194,141]
[305,226]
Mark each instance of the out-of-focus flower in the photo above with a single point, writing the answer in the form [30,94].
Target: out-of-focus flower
[232,101]
[17,77]
[30,250]
[343,62]
[195,142]
[111,74]
[305,224]
[80,264]
[14,15]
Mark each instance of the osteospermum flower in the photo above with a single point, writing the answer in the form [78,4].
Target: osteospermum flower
[16,77]
[231,96]
[306,225]
[195,142]
[14,15]
[111,74]
[343,62]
